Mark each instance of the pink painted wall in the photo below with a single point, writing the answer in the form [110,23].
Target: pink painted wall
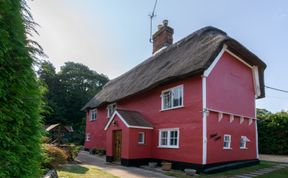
[215,151]
[130,148]
[96,130]
[230,89]
[188,119]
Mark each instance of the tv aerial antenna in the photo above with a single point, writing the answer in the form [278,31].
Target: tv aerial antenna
[152,15]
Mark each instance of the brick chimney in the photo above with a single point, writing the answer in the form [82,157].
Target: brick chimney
[163,37]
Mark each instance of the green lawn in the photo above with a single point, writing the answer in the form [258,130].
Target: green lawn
[226,174]
[83,171]
[282,173]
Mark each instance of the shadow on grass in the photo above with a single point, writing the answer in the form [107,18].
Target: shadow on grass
[74,168]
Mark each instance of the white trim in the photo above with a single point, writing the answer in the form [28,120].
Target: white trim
[250,121]
[204,121]
[241,120]
[123,120]
[237,57]
[143,141]
[220,116]
[229,113]
[211,67]
[257,150]
[171,89]
[256,81]
[169,130]
[231,118]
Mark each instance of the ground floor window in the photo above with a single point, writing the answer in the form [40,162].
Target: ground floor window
[169,138]
[243,142]
[141,138]
[227,141]
[87,137]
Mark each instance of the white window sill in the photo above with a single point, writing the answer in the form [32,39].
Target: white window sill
[92,120]
[141,143]
[243,148]
[172,108]
[174,147]
[227,148]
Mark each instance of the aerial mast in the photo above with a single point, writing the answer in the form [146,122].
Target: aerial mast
[152,15]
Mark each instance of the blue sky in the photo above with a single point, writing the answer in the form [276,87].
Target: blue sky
[112,36]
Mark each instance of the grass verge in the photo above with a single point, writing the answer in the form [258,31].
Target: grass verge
[83,171]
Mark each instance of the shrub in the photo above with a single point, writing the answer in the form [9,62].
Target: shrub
[93,151]
[56,156]
[273,133]
[101,152]
[72,150]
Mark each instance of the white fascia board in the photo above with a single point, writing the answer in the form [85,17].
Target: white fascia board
[211,67]
[123,120]
[256,81]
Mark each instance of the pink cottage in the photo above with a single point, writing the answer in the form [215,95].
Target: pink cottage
[191,103]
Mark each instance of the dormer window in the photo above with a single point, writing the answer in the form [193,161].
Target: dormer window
[172,98]
[111,109]
[93,115]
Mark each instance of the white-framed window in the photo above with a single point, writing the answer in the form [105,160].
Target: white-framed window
[227,141]
[169,138]
[87,137]
[93,115]
[110,109]
[141,138]
[243,142]
[172,98]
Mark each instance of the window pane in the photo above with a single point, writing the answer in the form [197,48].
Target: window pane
[177,96]
[167,99]
[141,138]
[164,138]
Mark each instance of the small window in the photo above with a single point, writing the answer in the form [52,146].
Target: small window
[227,141]
[87,137]
[172,98]
[111,109]
[141,137]
[243,142]
[169,138]
[93,115]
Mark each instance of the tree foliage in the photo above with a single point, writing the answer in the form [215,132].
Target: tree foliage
[273,132]
[20,94]
[68,92]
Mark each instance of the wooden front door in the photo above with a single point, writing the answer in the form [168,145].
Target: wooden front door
[117,140]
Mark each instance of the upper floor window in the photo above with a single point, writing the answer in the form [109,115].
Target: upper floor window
[169,138]
[172,98]
[227,141]
[93,115]
[111,109]
[243,142]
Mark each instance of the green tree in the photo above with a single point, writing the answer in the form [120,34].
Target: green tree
[20,94]
[68,91]
[273,132]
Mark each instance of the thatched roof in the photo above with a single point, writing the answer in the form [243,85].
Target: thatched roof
[190,56]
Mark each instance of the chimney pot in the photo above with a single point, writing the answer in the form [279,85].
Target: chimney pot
[163,37]
[165,23]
